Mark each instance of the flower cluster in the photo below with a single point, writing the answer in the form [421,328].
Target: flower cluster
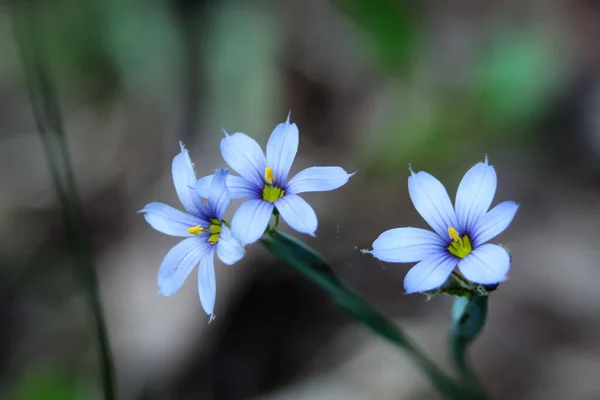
[460,233]
[262,181]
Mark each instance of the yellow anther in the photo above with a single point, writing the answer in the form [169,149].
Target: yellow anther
[269,175]
[453,234]
[195,230]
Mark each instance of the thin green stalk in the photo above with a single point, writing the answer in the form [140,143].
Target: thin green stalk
[306,261]
[28,34]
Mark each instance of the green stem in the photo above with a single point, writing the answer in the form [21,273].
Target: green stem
[28,32]
[304,260]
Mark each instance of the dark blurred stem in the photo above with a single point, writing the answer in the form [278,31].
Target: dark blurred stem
[29,34]
[310,264]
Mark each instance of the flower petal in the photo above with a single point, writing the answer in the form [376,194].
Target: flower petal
[239,187]
[245,157]
[281,149]
[487,264]
[407,245]
[431,200]
[184,178]
[219,198]
[169,220]
[251,220]
[229,249]
[297,213]
[318,179]
[475,194]
[494,222]
[207,284]
[179,262]
[430,273]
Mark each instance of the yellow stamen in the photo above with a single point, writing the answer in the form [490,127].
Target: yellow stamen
[195,230]
[453,234]
[460,246]
[269,175]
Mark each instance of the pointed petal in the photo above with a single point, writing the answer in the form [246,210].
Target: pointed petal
[487,264]
[207,284]
[430,273]
[251,220]
[169,220]
[184,178]
[297,213]
[219,198]
[318,179]
[229,249]
[431,200]
[475,194]
[407,245]
[245,157]
[239,188]
[494,222]
[179,262]
[281,150]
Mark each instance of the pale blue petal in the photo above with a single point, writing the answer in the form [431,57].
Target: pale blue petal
[486,265]
[229,249]
[245,157]
[281,150]
[474,195]
[219,198]
[169,220]
[207,285]
[407,245]
[251,220]
[184,178]
[431,200]
[494,222]
[318,179]
[298,214]
[430,273]
[179,262]
[239,188]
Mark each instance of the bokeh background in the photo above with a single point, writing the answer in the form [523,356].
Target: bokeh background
[373,85]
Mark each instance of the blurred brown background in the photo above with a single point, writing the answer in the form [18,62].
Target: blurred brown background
[373,86]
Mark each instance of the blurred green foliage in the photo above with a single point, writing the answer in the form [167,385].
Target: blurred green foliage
[44,384]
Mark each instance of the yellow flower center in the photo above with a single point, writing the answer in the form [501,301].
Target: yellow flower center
[460,246]
[271,193]
[214,229]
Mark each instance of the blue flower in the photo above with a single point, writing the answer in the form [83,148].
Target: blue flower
[264,182]
[202,225]
[460,236]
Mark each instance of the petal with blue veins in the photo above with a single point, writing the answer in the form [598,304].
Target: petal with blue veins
[281,150]
[430,273]
[494,222]
[487,264]
[207,285]
[407,245]
[475,194]
[239,188]
[218,197]
[229,249]
[298,214]
[179,262]
[251,220]
[169,220]
[244,156]
[431,200]
[184,178]
[318,179]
